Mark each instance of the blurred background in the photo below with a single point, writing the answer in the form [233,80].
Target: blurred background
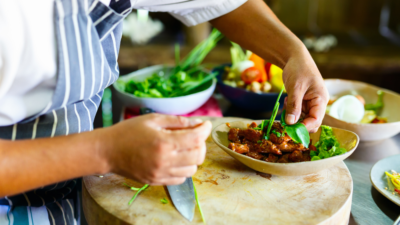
[357,39]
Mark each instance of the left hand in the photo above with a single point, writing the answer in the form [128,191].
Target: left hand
[306,90]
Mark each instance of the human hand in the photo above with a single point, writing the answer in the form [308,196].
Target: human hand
[156,149]
[307,94]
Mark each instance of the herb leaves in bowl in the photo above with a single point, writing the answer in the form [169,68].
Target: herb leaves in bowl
[187,77]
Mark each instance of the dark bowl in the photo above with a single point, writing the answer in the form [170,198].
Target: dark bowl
[244,99]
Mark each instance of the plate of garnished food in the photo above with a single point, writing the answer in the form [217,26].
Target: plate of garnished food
[274,147]
[368,110]
[385,177]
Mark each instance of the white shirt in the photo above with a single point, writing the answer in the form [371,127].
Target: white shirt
[28,50]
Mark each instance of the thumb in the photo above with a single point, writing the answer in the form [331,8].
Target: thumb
[293,106]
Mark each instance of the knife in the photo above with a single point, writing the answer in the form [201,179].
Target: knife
[181,195]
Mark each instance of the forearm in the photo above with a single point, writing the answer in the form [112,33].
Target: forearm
[255,27]
[29,164]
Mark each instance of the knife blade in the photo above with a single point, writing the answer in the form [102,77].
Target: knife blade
[182,196]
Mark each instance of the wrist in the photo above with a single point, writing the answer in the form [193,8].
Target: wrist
[101,150]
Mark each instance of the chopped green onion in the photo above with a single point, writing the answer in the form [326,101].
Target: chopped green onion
[198,203]
[132,188]
[276,109]
[164,201]
[137,193]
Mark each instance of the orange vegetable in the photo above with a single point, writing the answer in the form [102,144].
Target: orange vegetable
[259,63]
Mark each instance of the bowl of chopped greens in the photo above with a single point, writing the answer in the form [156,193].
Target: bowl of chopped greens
[368,110]
[174,90]
[275,147]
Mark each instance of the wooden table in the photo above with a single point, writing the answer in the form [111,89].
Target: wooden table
[230,193]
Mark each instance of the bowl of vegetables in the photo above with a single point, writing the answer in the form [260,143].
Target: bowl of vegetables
[368,110]
[173,90]
[248,82]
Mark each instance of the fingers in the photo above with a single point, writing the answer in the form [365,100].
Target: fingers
[175,176]
[167,121]
[168,181]
[189,157]
[186,171]
[189,138]
[293,105]
[315,114]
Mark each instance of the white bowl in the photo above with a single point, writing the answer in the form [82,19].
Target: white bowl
[366,132]
[173,106]
[347,140]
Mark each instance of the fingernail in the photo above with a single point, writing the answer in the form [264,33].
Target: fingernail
[290,118]
[194,122]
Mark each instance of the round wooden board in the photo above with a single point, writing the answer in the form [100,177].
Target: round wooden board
[229,193]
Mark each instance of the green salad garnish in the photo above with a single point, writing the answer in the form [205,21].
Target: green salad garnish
[327,146]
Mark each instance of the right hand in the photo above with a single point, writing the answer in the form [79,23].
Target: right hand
[145,150]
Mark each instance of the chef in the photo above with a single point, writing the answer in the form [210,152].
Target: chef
[57,57]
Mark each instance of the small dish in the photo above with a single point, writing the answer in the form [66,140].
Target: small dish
[347,139]
[378,177]
[173,106]
[366,132]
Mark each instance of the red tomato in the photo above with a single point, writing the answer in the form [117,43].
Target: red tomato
[251,74]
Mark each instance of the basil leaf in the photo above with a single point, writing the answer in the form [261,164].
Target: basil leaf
[299,133]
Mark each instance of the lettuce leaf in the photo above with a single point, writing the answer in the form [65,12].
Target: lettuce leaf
[327,146]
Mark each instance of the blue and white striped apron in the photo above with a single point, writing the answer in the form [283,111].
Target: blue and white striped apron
[88,35]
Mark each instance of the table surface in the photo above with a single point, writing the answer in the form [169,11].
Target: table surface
[369,206]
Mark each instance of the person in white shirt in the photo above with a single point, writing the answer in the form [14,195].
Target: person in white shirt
[147,153]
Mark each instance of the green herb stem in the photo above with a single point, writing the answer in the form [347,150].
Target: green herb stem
[274,112]
[198,203]
[137,193]
[132,188]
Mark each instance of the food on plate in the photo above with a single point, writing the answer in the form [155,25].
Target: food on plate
[393,179]
[353,109]
[278,142]
[187,77]
[251,72]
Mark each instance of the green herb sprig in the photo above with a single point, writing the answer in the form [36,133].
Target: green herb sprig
[137,193]
[198,203]
[298,132]
[274,112]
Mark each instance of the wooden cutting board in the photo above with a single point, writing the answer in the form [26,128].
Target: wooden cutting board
[229,193]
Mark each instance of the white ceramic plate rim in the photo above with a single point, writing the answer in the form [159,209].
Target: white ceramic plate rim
[348,153]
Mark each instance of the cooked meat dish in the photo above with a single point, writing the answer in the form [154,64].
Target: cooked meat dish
[276,149]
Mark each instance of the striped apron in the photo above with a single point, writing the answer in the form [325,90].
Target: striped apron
[88,35]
